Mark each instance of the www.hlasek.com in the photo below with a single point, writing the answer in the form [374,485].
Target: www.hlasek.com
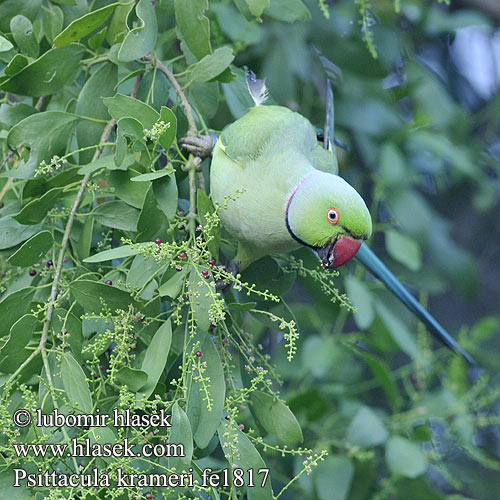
[87,447]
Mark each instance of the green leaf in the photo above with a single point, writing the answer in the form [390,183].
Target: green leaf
[173,286]
[384,377]
[90,293]
[142,270]
[36,210]
[333,478]
[5,45]
[118,26]
[212,65]
[121,106]
[205,422]
[32,250]
[12,233]
[107,162]
[202,290]
[114,253]
[22,31]
[10,8]
[21,333]
[362,300]
[403,249]
[100,84]
[53,22]
[156,357]
[256,7]
[241,306]
[48,74]
[235,26]
[181,433]
[85,239]
[13,306]
[405,458]
[132,193]
[366,429]
[75,384]
[194,26]
[206,207]
[150,176]
[288,11]
[247,458]
[131,128]
[46,134]
[398,331]
[117,214]
[168,137]
[16,64]
[83,26]
[131,377]
[276,418]
[140,40]
[150,219]
[13,492]
[165,191]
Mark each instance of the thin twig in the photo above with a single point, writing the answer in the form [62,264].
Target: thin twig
[138,79]
[182,96]
[7,159]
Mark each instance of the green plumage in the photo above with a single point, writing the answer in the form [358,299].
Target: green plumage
[272,153]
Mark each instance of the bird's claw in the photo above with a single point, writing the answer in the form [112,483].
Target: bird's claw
[200,146]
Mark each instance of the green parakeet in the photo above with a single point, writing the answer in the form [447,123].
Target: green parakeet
[292,195]
[279,190]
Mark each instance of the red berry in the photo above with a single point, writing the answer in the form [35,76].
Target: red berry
[32,272]
[50,263]
[182,227]
[178,269]
[158,241]
[241,426]
[149,496]
[102,367]
[182,255]
[212,262]
[181,213]
[205,274]
[109,282]
[198,354]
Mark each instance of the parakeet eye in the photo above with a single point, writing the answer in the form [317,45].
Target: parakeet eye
[332,215]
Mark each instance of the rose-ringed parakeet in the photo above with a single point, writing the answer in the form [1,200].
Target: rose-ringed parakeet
[280,190]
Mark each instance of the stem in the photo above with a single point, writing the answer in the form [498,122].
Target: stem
[182,96]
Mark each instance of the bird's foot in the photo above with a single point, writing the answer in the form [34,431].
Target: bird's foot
[200,146]
[222,285]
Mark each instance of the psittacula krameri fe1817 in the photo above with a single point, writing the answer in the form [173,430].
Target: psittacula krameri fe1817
[280,190]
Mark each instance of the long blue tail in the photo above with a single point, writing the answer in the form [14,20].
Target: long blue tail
[380,271]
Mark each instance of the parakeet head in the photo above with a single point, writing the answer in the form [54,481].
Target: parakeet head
[326,213]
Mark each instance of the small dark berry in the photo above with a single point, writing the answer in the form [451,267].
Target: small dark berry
[198,354]
[50,263]
[178,269]
[102,368]
[32,272]
[212,262]
[109,282]
[225,340]
[205,274]
[158,241]
[241,426]
[182,227]
[181,213]
[182,255]
[227,417]
[149,496]
[199,227]
[65,260]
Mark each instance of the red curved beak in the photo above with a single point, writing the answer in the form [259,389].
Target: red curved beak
[339,252]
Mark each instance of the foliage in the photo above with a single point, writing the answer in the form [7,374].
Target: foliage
[113,255]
